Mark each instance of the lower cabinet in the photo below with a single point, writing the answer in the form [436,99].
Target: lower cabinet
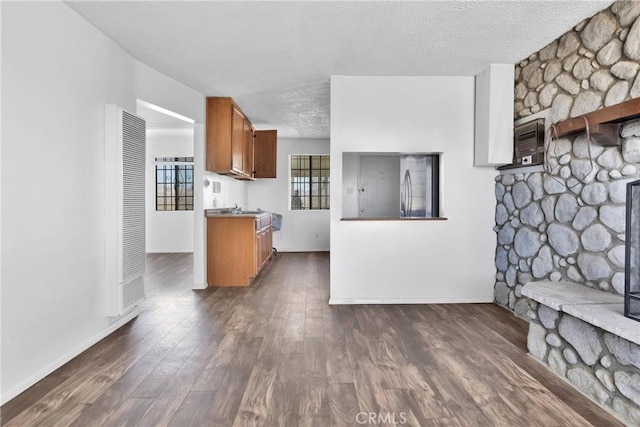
[238,247]
[264,246]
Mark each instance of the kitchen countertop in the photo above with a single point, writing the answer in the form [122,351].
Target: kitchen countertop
[223,213]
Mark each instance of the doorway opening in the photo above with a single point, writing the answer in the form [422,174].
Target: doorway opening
[170,188]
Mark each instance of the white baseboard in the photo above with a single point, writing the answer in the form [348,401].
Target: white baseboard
[41,373]
[441,300]
[302,249]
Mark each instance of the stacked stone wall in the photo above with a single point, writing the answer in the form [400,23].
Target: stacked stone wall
[592,66]
[568,222]
[601,365]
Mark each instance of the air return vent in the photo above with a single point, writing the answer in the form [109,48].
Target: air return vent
[125,209]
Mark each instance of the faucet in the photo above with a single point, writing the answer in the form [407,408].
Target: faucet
[236,209]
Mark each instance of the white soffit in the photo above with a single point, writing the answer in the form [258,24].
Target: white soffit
[275,58]
[160,118]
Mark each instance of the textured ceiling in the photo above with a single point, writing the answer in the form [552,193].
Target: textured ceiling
[275,58]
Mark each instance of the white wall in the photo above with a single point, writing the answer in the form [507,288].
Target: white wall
[53,92]
[167,231]
[412,261]
[302,231]
[232,192]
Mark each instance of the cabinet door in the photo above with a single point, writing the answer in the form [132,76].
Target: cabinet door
[219,129]
[248,149]
[265,153]
[259,250]
[230,251]
[237,141]
[265,247]
[269,239]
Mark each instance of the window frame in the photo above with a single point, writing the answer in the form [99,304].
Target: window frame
[176,162]
[324,197]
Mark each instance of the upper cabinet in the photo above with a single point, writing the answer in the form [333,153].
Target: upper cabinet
[237,142]
[233,146]
[265,152]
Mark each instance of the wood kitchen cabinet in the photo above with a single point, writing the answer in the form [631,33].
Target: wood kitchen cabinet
[238,247]
[231,142]
[237,141]
[229,136]
[247,149]
[265,151]
[264,243]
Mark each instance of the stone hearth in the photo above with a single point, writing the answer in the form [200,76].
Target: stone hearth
[581,334]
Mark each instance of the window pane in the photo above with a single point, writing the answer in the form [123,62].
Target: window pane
[309,182]
[174,185]
[315,162]
[296,202]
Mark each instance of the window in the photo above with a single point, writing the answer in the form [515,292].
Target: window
[174,183]
[309,182]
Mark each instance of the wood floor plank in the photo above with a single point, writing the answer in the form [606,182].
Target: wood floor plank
[429,406]
[343,403]
[29,398]
[194,410]
[41,414]
[161,411]
[129,412]
[314,358]
[276,354]
[257,397]
[284,408]
[173,394]
[340,367]
[396,408]
[366,387]
[114,396]
[314,398]
[67,414]
[290,367]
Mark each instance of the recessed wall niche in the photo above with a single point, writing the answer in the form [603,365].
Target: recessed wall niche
[390,185]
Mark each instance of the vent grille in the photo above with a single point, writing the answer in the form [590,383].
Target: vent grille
[132,292]
[133,201]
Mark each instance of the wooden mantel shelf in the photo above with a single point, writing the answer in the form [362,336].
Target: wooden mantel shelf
[616,113]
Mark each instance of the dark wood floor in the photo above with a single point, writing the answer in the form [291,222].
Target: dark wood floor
[276,354]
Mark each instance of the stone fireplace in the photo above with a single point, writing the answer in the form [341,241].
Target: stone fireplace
[568,224]
[560,255]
